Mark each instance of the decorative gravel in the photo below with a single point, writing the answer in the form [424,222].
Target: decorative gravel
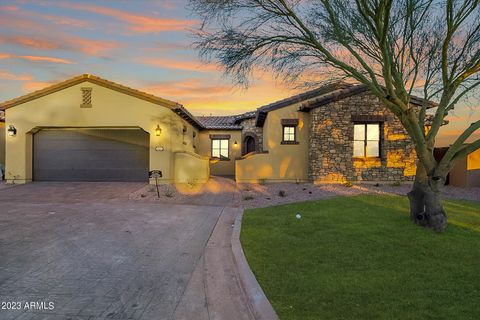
[258,196]
[225,192]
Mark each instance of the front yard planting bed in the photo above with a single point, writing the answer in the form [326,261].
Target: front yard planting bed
[361,258]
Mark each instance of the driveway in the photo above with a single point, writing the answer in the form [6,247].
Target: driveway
[95,254]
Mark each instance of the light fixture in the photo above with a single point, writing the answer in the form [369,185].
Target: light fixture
[158,131]
[235,144]
[12,131]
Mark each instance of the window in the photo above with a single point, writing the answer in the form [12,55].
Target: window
[220,148]
[366,140]
[289,134]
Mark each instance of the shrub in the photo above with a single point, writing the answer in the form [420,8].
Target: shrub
[396,184]
[168,193]
[261,182]
[247,197]
[348,184]
[282,193]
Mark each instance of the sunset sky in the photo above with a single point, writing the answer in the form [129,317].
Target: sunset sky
[142,44]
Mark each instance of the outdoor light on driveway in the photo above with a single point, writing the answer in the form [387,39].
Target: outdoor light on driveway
[12,131]
[158,131]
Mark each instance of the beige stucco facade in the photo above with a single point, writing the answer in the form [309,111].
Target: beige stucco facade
[110,109]
[322,150]
[466,172]
[278,162]
[204,148]
[3,133]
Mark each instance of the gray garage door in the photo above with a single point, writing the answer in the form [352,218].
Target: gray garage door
[90,155]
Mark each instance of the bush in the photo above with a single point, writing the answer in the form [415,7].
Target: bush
[282,193]
[247,197]
[396,184]
[348,184]
[261,182]
[168,193]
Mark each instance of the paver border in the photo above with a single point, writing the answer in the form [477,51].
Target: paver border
[262,309]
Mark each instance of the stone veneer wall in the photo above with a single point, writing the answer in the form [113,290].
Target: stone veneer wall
[249,127]
[331,144]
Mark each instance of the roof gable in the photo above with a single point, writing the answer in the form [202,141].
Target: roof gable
[174,106]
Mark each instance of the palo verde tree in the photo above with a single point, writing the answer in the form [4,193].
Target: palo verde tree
[395,47]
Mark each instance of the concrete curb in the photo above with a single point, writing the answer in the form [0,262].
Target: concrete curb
[261,307]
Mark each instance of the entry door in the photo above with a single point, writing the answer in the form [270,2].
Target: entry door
[91,155]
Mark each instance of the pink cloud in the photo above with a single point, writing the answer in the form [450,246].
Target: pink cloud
[29,42]
[5,75]
[137,23]
[178,64]
[92,47]
[50,37]
[45,59]
[190,88]
[35,85]
[35,58]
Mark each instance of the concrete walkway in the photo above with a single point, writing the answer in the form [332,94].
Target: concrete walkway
[96,254]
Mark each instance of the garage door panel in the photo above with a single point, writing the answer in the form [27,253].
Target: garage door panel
[91,155]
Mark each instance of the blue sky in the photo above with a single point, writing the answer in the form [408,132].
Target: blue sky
[142,44]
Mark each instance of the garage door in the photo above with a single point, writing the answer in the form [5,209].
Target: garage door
[91,155]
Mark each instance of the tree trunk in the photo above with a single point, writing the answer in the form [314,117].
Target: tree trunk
[426,207]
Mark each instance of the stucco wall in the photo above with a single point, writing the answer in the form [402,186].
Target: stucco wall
[110,109]
[191,168]
[3,133]
[224,167]
[466,172]
[331,146]
[283,162]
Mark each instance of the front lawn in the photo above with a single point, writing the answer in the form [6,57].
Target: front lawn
[361,258]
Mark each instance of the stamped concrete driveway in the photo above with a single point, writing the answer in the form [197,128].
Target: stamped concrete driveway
[95,254]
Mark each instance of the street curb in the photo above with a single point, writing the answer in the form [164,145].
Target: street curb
[261,307]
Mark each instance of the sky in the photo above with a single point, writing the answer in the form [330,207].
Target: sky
[146,45]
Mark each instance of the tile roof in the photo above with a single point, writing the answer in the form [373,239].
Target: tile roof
[219,122]
[325,89]
[349,91]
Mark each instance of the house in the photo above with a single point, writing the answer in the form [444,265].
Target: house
[466,172]
[91,129]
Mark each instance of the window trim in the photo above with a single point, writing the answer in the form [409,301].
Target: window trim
[294,141]
[220,138]
[365,140]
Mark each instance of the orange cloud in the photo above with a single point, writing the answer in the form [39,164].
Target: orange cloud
[35,58]
[5,75]
[35,85]
[190,88]
[44,59]
[137,23]
[180,65]
[30,42]
[93,47]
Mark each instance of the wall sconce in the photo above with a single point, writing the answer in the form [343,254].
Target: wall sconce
[12,131]
[235,144]
[158,131]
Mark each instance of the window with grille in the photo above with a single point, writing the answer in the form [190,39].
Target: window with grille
[289,134]
[366,140]
[220,148]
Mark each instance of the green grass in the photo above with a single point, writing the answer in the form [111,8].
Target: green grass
[361,258]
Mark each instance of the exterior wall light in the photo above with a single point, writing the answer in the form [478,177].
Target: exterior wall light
[158,131]
[12,131]
[235,144]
